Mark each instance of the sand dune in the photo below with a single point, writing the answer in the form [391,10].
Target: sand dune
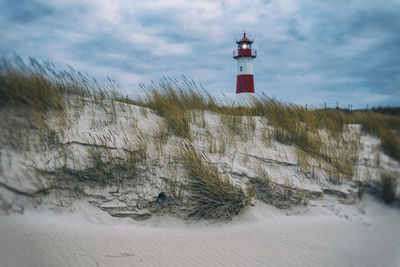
[105,158]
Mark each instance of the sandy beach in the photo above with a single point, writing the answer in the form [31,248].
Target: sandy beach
[263,236]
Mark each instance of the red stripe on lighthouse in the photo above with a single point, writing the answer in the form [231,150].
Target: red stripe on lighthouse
[245,84]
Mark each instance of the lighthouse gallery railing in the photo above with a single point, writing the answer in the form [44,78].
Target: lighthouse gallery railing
[245,52]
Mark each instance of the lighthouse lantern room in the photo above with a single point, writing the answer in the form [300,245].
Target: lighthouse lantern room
[244,56]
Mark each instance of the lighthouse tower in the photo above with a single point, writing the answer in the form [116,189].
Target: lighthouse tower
[244,56]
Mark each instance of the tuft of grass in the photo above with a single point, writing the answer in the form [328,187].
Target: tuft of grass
[212,196]
[40,87]
[160,136]
[278,195]
[234,124]
[28,87]
[296,125]
[389,186]
[386,127]
[102,168]
[5,206]
[238,125]
[172,100]
[27,95]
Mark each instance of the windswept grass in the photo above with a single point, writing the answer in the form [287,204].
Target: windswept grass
[102,166]
[212,196]
[40,87]
[32,92]
[318,133]
[294,125]
[172,100]
[389,185]
[386,127]
[298,126]
[279,195]
[37,88]
[26,96]
[28,87]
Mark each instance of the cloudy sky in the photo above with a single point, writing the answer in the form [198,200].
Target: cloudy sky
[309,51]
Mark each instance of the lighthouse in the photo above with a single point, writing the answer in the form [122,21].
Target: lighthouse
[244,56]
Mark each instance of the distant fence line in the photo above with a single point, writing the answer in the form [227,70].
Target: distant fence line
[233,100]
[393,110]
[337,105]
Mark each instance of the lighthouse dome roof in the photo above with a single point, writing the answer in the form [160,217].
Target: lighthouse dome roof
[244,39]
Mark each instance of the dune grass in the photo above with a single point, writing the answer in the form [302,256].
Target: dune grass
[293,124]
[32,92]
[279,195]
[101,165]
[28,86]
[38,88]
[389,184]
[27,94]
[384,126]
[211,196]
[173,100]
[299,126]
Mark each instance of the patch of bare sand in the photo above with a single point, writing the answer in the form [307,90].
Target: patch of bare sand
[260,237]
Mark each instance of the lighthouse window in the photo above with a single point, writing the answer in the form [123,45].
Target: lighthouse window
[241,68]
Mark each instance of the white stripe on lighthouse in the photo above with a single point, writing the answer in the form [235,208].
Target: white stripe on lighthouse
[244,65]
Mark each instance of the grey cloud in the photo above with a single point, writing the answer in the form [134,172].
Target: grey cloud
[294,32]
[25,11]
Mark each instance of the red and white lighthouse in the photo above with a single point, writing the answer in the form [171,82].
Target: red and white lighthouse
[244,56]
